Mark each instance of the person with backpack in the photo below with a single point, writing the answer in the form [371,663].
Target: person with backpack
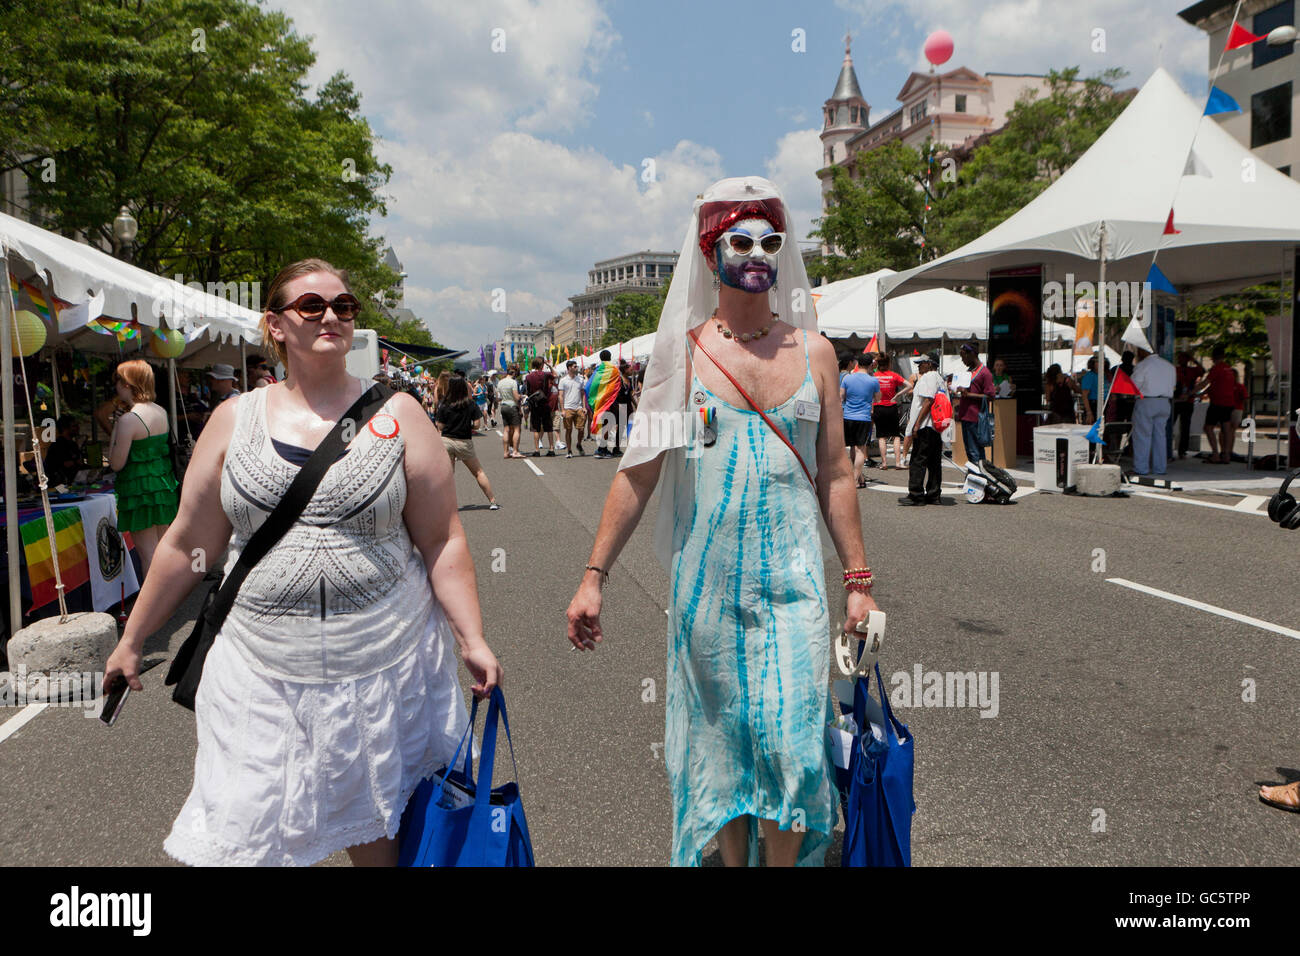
[931,414]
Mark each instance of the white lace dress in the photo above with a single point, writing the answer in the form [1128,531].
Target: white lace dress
[331,689]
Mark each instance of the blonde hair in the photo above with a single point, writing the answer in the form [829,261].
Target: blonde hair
[277,298]
[137,374]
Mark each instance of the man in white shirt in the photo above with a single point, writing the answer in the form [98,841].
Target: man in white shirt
[923,484]
[573,397]
[1157,380]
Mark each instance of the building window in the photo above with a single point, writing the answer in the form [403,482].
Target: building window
[1282,15]
[961,103]
[1270,116]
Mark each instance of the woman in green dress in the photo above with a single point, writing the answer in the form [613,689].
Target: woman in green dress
[146,484]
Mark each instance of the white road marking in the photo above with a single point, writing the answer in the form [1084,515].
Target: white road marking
[537,471]
[1250,503]
[20,720]
[1201,606]
[1192,501]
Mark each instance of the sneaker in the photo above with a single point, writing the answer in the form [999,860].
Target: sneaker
[493,506]
[537,454]
[582,451]
[908,502]
[601,453]
[559,446]
[568,454]
[551,453]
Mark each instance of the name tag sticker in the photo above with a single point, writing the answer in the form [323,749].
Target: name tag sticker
[808,411]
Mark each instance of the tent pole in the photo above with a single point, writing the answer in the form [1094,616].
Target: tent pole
[171,390]
[10,451]
[243,363]
[1101,333]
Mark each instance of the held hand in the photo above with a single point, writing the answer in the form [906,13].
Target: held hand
[584,617]
[484,668]
[123,662]
[859,607]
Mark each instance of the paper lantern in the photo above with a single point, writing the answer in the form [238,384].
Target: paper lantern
[28,333]
[938,47]
[167,343]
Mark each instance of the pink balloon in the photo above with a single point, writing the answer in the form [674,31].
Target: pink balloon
[938,47]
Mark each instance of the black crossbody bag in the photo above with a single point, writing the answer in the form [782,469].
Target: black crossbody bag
[187,667]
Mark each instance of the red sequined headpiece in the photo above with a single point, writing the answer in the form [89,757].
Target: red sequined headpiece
[717,217]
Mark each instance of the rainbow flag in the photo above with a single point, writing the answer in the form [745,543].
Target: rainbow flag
[37,299]
[602,392]
[74,566]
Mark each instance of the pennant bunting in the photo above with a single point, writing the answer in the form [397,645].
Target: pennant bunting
[1169,226]
[1239,37]
[1220,102]
[1159,280]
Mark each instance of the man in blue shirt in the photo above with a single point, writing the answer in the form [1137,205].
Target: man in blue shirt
[858,391]
[1089,385]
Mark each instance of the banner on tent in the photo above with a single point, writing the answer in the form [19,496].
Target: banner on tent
[1016,330]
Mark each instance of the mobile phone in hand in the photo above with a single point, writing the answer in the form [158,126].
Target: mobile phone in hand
[114,697]
[115,694]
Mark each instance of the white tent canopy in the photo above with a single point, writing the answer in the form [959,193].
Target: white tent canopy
[102,285]
[1231,224]
[849,307]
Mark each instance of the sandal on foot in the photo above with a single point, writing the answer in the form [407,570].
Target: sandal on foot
[1289,807]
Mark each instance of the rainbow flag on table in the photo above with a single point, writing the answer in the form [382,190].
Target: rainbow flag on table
[74,566]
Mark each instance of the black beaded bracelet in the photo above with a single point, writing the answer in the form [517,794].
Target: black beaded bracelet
[604,575]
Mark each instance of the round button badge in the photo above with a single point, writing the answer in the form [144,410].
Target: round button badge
[383,426]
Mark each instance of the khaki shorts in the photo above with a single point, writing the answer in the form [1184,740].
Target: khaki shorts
[575,417]
[460,449]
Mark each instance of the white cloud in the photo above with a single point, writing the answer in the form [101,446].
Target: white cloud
[794,170]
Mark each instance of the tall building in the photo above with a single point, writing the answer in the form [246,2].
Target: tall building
[1263,79]
[564,328]
[527,335]
[956,110]
[641,272]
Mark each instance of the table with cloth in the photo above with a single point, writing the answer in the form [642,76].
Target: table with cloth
[97,562]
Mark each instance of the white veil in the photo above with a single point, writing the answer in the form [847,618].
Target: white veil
[690,302]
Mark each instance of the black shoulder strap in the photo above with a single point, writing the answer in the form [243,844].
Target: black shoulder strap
[295,499]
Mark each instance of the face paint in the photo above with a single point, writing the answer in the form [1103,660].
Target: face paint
[755,272]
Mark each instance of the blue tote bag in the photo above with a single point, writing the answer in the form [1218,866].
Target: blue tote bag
[878,807]
[454,819]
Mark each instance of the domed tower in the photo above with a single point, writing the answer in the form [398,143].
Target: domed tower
[844,114]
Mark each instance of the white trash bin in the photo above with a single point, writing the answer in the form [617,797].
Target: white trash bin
[1047,475]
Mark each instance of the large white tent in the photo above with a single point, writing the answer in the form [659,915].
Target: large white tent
[95,285]
[1232,211]
[850,307]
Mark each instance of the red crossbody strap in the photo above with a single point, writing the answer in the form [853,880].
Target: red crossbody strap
[753,404]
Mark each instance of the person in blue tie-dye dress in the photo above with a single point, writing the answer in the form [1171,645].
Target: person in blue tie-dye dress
[740,530]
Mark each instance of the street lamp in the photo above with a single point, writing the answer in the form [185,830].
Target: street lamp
[125,229]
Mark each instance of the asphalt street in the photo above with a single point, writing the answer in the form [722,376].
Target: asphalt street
[1128,726]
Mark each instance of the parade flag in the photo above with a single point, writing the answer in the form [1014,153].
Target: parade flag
[1134,335]
[70,538]
[1123,385]
[1220,102]
[873,346]
[1094,433]
[602,392]
[1169,226]
[1159,281]
[1240,37]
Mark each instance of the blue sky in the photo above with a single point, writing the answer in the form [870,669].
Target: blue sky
[515,170]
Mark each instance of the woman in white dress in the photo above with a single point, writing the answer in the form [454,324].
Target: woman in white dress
[331,689]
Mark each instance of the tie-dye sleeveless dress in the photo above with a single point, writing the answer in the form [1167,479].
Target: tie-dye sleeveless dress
[749,634]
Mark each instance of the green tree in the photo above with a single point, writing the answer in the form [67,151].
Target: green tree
[1237,322]
[876,221]
[194,115]
[1043,137]
[631,314]
[879,219]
